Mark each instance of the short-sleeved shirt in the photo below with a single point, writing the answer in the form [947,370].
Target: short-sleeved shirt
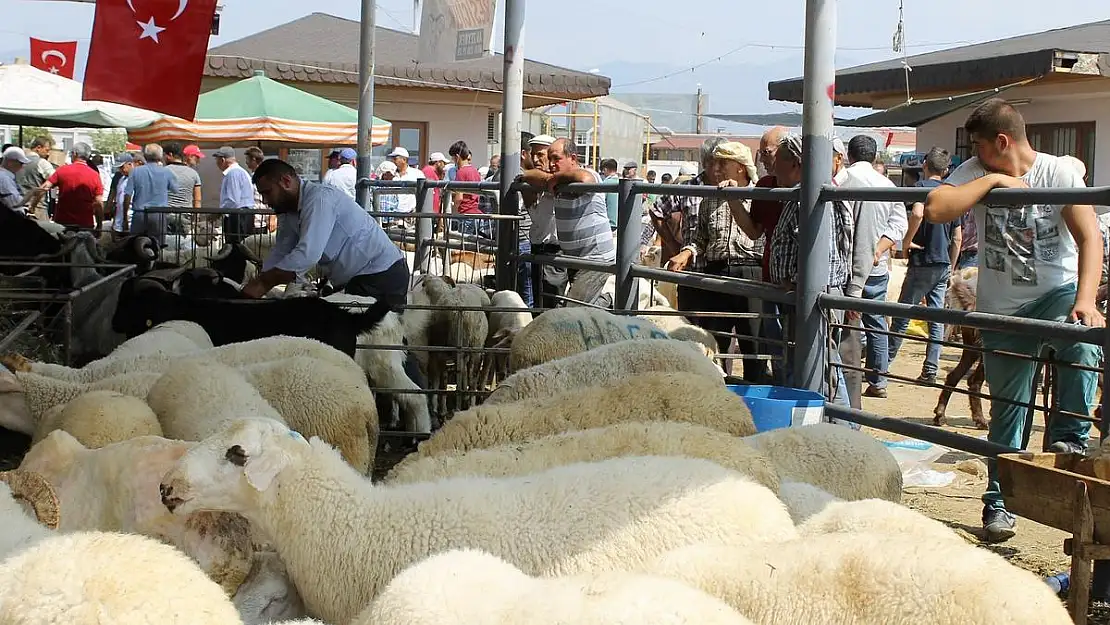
[469,203]
[150,186]
[78,186]
[582,224]
[1024,251]
[35,171]
[934,238]
[331,229]
[406,202]
[187,179]
[612,200]
[10,194]
[766,213]
[236,188]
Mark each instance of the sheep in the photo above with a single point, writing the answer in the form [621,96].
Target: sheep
[877,516]
[657,438]
[89,578]
[142,304]
[115,488]
[314,396]
[679,328]
[22,530]
[267,595]
[648,294]
[194,399]
[172,338]
[386,367]
[866,579]
[603,365]
[100,418]
[846,463]
[503,328]
[235,354]
[803,500]
[680,397]
[562,332]
[342,538]
[441,590]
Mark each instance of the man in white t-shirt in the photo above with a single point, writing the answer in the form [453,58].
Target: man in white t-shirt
[1038,261]
[406,202]
[345,176]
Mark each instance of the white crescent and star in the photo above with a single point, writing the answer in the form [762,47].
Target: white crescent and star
[150,28]
[46,54]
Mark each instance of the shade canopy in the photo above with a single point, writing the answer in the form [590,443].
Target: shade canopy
[32,97]
[260,109]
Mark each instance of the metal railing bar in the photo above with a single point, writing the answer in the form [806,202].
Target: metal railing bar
[927,433]
[718,284]
[13,335]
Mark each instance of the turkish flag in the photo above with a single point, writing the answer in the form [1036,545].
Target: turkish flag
[56,57]
[149,54]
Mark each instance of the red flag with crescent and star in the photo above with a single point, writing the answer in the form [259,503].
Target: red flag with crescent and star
[56,57]
[149,54]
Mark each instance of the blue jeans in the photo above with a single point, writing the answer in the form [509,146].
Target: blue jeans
[524,274]
[968,259]
[878,356]
[1011,378]
[930,282]
[477,227]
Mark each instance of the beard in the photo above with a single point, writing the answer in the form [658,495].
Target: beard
[285,202]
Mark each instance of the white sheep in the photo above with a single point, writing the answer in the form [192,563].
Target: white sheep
[115,488]
[866,579]
[315,397]
[267,595]
[648,294]
[845,463]
[562,332]
[683,397]
[656,438]
[442,590]
[386,367]
[679,328]
[503,328]
[195,399]
[803,500]
[342,538]
[876,516]
[100,418]
[603,365]
[91,578]
[20,529]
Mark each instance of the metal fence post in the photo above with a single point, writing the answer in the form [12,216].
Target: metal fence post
[815,221]
[512,113]
[367,32]
[424,201]
[629,210]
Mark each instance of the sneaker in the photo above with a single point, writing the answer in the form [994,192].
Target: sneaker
[999,525]
[874,391]
[927,378]
[1066,447]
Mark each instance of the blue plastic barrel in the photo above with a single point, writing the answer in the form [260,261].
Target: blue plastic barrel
[776,407]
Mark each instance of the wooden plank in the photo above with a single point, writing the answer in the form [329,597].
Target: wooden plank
[1079,595]
[1041,487]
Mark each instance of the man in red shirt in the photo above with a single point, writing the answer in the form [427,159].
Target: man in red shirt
[467,203]
[79,190]
[436,169]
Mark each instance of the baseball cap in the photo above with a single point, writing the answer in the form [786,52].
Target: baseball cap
[838,146]
[123,158]
[398,151]
[542,140]
[387,167]
[192,150]
[224,152]
[15,154]
[687,169]
[348,154]
[437,157]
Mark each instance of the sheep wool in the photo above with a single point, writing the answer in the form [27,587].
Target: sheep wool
[876,516]
[654,438]
[680,329]
[343,539]
[602,365]
[866,579]
[91,578]
[441,591]
[267,595]
[843,462]
[26,397]
[20,529]
[100,418]
[803,500]
[562,332]
[682,397]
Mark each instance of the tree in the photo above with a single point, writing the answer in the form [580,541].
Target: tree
[30,132]
[109,141]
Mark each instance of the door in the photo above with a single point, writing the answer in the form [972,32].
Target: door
[413,136]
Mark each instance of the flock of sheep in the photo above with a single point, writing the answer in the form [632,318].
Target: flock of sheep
[610,478]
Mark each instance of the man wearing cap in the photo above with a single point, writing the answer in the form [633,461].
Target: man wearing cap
[192,155]
[406,202]
[319,224]
[631,170]
[387,202]
[608,170]
[547,281]
[345,176]
[188,193]
[78,186]
[436,169]
[236,194]
[119,203]
[333,160]
[11,161]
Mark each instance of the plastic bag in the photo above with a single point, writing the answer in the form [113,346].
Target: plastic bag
[914,458]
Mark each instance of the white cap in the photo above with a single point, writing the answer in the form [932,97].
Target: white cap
[398,151]
[687,170]
[542,140]
[436,157]
[15,153]
[838,146]
[387,167]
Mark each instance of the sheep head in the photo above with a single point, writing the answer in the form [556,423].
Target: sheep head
[232,470]
[15,413]
[34,489]
[16,362]
[267,595]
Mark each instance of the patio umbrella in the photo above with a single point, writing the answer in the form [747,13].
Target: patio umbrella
[259,109]
[32,97]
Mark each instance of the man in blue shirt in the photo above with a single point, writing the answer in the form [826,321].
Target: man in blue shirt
[149,187]
[320,224]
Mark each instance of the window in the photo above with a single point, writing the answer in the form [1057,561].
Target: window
[1072,139]
[492,127]
[963,147]
[413,136]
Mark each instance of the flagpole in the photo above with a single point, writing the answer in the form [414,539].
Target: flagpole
[366,98]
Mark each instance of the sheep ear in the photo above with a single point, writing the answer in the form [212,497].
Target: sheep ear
[8,382]
[261,469]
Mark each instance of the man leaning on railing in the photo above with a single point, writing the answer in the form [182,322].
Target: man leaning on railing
[1038,261]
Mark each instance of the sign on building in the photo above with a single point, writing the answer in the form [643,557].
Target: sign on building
[456,30]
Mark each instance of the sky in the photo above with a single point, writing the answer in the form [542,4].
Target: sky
[737,44]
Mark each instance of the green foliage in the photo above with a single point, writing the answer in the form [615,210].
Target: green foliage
[30,132]
[108,141]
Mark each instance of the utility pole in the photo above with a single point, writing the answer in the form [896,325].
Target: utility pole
[698,128]
[367,35]
[512,113]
